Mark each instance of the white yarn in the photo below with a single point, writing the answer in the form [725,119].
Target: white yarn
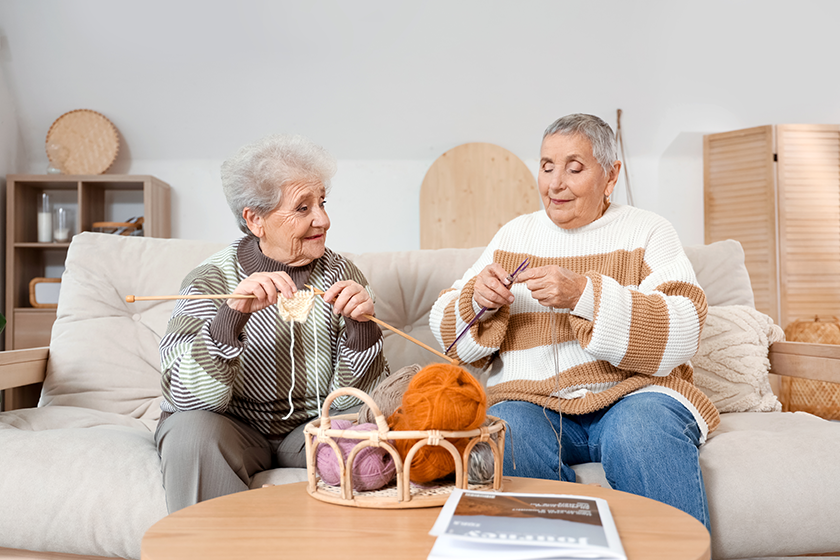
[296,310]
[292,356]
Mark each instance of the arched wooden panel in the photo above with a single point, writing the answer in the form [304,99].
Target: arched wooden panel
[469,192]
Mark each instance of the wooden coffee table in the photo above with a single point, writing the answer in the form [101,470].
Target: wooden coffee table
[285,522]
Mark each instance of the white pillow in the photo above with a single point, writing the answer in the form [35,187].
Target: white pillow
[104,351]
[721,272]
[731,366]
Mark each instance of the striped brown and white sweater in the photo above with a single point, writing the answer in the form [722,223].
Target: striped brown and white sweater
[635,327]
[240,364]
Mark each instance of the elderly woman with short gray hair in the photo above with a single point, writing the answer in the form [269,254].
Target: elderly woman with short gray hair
[595,336]
[239,382]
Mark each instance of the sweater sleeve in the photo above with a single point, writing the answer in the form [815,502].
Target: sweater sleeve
[200,351]
[455,308]
[651,328]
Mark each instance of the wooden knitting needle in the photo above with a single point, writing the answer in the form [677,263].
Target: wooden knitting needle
[132,299]
[452,361]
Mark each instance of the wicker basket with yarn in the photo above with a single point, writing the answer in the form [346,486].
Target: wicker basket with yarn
[816,397]
[402,493]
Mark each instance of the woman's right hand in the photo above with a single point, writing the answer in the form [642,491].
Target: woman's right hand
[265,286]
[491,289]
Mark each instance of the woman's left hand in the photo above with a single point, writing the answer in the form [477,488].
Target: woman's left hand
[350,299]
[554,286]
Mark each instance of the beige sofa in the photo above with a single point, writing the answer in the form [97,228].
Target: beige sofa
[80,473]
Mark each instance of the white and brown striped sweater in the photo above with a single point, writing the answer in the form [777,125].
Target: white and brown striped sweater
[635,327]
[215,358]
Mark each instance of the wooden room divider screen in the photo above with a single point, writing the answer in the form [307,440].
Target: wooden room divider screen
[776,189]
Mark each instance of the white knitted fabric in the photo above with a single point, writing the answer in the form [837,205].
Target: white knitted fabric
[297,307]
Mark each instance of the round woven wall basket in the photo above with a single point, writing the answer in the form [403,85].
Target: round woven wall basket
[402,493]
[82,142]
[816,397]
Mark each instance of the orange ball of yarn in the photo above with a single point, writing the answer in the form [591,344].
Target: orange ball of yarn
[444,397]
[439,397]
[431,461]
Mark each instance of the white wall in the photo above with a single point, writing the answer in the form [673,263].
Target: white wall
[389,86]
[10,160]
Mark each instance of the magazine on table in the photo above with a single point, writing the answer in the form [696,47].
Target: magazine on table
[513,526]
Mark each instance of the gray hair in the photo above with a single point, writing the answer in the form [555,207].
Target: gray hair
[594,129]
[254,177]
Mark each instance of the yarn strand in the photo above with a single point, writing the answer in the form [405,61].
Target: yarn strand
[292,356]
[317,375]
[559,436]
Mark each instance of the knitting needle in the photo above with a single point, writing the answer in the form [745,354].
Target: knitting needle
[132,299]
[452,361]
[510,278]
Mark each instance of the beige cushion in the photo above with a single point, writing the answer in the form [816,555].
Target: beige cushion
[91,489]
[771,478]
[721,272]
[104,351]
[731,366]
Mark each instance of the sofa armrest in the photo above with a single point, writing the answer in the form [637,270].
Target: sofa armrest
[820,362]
[23,367]
[21,375]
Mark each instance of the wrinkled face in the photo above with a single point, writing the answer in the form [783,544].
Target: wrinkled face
[572,183]
[295,232]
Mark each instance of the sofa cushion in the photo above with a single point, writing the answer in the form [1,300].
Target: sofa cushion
[103,350]
[92,491]
[721,272]
[56,416]
[771,478]
[731,366]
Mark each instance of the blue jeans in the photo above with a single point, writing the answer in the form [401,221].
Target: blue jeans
[647,443]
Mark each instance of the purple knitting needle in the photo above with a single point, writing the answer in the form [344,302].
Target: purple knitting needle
[511,278]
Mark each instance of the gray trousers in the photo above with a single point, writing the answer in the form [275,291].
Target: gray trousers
[204,455]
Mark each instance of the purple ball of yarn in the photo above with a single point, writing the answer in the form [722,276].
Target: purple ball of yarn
[372,468]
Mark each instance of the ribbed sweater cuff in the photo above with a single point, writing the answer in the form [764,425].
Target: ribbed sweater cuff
[585,307]
[361,335]
[227,325]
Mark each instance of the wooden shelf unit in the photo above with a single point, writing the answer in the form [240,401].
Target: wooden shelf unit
[26,258]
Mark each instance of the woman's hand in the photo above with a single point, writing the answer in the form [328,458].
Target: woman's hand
[491,287]
[350,299]
[265,286]
[554,286]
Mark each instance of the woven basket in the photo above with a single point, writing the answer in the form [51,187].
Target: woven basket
[402,494]
[82,142]
[816,397]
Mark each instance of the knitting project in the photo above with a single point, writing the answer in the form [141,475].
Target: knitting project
[296,308]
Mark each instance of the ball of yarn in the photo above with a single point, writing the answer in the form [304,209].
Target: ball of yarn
[372,468]
[431,462]
[388,394]
[444,397]
[439,397]
[482,464]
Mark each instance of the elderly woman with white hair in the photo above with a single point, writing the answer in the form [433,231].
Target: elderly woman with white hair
[599,328]
[240,382]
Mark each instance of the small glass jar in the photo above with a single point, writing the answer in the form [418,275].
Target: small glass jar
[61,226]
[45,218]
